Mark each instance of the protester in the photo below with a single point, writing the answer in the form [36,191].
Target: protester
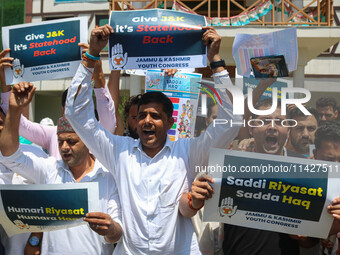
[327,142]
[14,244]
[269,137]
[77,165]
[327,147]
[45,136]
[130,106]
[326,108]
[302,134]
[269,134]
[151,172]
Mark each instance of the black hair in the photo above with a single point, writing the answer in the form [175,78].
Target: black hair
[63,98]
[326,101]
[330,131]
[157,97]
[264,103]
[297,112]
[133,100]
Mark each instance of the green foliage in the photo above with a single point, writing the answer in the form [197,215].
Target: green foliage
[122,100]
[12,12]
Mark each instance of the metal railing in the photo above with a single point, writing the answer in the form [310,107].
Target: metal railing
[236,12]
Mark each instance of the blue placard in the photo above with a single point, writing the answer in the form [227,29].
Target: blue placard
[46,44]
[288,195]
[44,50]
[156,39]
[50,207]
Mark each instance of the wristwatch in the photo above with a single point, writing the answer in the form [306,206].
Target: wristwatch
[34,241]
[216,64]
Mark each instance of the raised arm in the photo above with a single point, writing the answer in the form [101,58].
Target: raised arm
[113,86]
[222,134]
[28,165]
[44,136]
[79,105]
[21,96]
[225,128]
[105,104]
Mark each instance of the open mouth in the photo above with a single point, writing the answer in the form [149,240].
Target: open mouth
[304,141]
[271,140]
[67,155]
[148,132]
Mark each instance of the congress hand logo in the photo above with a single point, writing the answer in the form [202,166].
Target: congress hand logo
[227,207]
[20,224]
[119,58]
[18,70]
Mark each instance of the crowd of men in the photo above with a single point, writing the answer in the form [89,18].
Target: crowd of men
[148,188]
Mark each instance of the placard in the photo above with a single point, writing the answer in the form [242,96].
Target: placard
[44,50]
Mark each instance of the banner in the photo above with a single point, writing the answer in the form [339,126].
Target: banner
[44,50]
[269,192]
[156,39]
[46,207]
[183,91]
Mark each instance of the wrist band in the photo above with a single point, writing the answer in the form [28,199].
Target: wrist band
[91,57]
[86,58]
[190,203]
[216,64]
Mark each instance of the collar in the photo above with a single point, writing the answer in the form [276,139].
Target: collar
[138,145]
[98,169]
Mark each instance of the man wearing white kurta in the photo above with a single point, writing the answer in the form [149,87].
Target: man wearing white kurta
[152,172]
[77,165]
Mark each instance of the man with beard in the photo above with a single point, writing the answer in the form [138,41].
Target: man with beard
[77,165]
[15,244]
[326,108]
[302,135]
[152,172]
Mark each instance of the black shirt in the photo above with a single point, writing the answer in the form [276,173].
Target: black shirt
[248,241]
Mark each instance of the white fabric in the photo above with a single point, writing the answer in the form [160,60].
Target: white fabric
[210,235]
[76,240]
[149,188]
